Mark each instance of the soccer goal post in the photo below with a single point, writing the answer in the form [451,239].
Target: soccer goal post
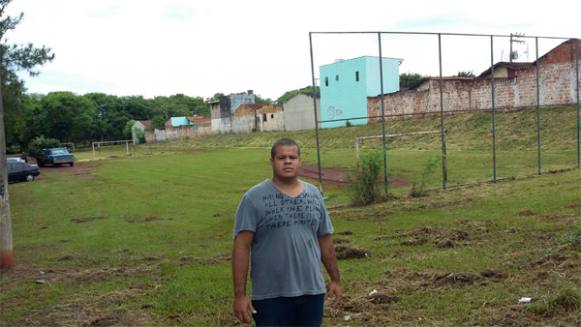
[97,145]
[360,139]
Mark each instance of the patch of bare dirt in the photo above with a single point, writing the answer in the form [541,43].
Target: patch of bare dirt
[204,261]
[346,251]
[97,275]
[573,206]
[341,176]
[525,213]
[144,220]
[81,169]
[86,219]
[563,217]
[422,280]
[441,238]
[557,261]
[443,204]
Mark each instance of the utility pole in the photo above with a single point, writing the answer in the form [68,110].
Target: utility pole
[514,38]
[6,252]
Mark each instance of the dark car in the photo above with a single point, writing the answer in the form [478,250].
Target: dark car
[19,171]
[55,156]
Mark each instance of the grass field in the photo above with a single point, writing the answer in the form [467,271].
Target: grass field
[145,239]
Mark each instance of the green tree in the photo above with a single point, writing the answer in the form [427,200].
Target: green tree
[179,105]
[260,100]
[66,117]
[408,80]
[15,58]
[465,73]
[308,90]
[110,117]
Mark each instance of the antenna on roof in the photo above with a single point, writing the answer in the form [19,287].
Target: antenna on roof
[515,38]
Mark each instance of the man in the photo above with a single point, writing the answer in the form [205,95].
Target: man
[284,224]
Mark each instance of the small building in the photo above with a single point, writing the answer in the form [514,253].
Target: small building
[223,109]
[257,118]
[269,118]
[346,85]
[298,112]
[138,131]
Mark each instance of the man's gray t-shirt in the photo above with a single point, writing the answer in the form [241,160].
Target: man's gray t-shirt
[285,255]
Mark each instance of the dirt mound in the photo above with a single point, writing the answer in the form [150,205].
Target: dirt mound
[441,238]
[346,251]
[525,213]
[556,260]
[341,176]
[381,298]
[204,261]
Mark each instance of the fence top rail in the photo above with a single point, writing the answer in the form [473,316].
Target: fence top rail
[442,33]
[111,142]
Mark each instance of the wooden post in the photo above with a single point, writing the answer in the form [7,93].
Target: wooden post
[6,252]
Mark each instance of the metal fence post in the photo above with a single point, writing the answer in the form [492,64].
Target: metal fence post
[316,114]
[442,130]
[577,102]
[385,182]
[493,92]
[537,63]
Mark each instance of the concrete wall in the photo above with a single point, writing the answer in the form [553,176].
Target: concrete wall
[243,124]
[180,133]
[346,84]
[298,113]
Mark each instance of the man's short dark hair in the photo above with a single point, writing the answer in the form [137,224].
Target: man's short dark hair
[284,142]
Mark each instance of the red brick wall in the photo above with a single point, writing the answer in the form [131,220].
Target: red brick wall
[556,79]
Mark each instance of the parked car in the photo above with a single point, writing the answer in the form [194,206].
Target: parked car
[14,159]
[55,157]
[21,171]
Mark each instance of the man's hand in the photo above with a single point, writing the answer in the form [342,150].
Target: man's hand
[243,309]
[335,292]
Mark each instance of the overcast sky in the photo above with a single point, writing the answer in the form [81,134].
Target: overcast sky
[198,48]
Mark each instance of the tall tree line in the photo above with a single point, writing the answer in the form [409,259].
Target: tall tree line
[90,117]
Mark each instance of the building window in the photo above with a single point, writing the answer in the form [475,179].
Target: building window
[271,115]
[357,76]
[337,77]
[263,117]
[326,81]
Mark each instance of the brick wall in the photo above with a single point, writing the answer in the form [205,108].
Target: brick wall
[556,80]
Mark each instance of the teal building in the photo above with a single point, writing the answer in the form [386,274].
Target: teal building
[346,84]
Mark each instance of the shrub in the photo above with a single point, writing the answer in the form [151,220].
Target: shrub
[39,143]
[364,187]
[419,188]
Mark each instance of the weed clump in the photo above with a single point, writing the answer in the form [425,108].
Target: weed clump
[567,300]
[419,188]
[364,188]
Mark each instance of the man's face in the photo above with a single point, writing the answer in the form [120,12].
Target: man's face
[286,162]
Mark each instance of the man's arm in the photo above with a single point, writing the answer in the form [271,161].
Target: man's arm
[240,258]
[330,263]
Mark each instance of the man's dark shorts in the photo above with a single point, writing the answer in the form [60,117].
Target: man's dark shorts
[305,310]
